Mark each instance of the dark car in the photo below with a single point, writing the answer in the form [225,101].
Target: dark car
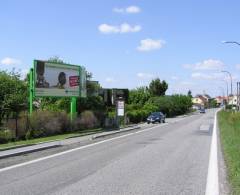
[202,110]
[156,117]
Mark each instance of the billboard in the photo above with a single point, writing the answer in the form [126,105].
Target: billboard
[58,80]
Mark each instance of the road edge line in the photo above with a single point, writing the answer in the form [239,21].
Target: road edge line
[212,186]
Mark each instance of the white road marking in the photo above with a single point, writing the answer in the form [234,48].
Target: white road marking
[82,147]
[79,148]
[212,187]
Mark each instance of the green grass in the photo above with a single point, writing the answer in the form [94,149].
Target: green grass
[47,139]
[229,124]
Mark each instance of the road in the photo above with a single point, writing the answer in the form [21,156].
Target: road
[166,159]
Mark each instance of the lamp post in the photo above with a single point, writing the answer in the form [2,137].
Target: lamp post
[227,89]
[230,75]
[232,42]
[238,44]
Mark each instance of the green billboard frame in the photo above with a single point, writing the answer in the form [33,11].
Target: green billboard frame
[73,105]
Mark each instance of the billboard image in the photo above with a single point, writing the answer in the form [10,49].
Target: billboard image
[58,80]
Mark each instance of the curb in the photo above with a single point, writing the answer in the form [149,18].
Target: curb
[29,151]
[15,147]
[116,132]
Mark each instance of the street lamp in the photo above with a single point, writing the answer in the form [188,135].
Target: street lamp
[238,44]
[231,42]
[227,86]
[230,78]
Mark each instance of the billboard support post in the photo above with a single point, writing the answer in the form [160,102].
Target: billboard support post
[73,108]
[31,92]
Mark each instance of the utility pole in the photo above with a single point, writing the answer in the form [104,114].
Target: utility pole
[238,95]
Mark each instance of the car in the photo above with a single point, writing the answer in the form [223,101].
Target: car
[202,110]
[156,117]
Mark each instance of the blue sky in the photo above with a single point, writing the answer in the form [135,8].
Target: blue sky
[124,43]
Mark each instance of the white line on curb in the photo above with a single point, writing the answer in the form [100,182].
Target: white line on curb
[212,186]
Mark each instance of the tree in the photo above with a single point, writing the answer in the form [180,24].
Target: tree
[56,59]
[213,103]
[139,96]
[13,93]
[189,93]
[158,88]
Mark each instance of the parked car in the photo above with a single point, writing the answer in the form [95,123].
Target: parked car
[156,117]
[202,110]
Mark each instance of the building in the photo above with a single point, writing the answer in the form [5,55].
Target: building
[201,100]
[221,100]
[232,100]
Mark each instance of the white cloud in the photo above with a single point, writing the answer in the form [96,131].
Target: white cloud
[144,75]
[209,64]
[133,9]
[118,10]
[238,66]
[174,78]
[130,10]
[110,80]
[205,76]
[123,28]
[150,44]
[186,83]
[10,61]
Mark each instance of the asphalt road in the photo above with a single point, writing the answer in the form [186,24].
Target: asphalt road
[170,158]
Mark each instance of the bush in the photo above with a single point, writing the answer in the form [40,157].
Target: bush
[5,136]
[172,105]
[136,116]
[87,120]
[45,123]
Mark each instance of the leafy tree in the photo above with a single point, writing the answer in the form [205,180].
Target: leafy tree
[189,93]
[13,93]
[212,103]
[158,87]
[56,59]
[139,96]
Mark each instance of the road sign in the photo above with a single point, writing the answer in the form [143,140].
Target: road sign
[120,107]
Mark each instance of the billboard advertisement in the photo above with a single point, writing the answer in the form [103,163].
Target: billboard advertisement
[58,80]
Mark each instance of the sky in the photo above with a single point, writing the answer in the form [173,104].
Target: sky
[127,43]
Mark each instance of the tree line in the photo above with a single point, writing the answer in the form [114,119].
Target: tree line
[92,111]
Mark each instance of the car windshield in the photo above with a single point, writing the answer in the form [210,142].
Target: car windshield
[155,114]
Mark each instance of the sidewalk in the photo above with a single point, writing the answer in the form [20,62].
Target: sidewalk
[68,141]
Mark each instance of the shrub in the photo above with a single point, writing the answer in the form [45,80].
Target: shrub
[87,120]
[172,105]
[136,116]
[44,123]
[5,136]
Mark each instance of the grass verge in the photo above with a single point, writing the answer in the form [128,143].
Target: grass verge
[229,124]
[47,139]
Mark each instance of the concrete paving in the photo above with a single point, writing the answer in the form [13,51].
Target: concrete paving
[159,159]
